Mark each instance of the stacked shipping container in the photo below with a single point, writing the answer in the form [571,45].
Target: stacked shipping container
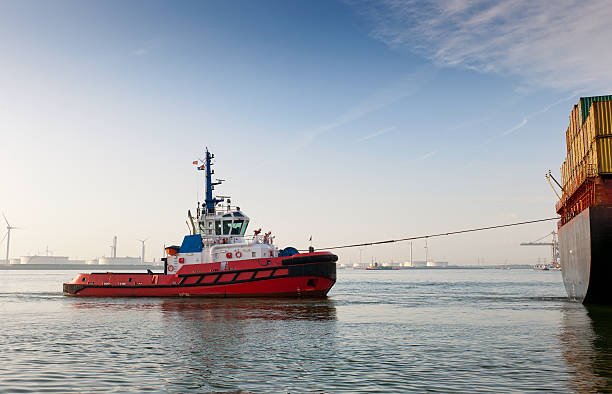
[589,143]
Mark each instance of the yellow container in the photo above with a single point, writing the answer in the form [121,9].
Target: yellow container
[574,155]
[583,144]
[601,113]
[574,124]
[604,155]
[593,167]
[580,145]
[589,131]
[564,175]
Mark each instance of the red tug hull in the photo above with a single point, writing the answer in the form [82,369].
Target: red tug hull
[301,275]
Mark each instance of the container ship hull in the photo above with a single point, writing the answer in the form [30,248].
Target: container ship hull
[584,248]
[585,228]
[298,276]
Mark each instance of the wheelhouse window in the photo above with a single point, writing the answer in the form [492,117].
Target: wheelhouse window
[227,226]
[244,227]
[217,227]
[237,227]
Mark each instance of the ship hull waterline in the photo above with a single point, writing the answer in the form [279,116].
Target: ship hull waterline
[312,279]
[586,258]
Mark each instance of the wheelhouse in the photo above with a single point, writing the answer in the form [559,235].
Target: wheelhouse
[226,224]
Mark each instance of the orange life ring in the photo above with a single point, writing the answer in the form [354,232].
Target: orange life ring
[238,254]
[170,268]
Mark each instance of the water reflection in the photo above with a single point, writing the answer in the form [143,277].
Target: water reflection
[255,339]
[240,309]
[218,344]
[586,337]
[219,308]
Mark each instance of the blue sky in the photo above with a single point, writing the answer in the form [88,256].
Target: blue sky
[351,121]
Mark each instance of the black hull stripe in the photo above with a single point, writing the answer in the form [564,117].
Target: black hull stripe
[320,258]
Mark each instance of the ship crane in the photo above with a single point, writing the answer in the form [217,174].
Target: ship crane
[554,246]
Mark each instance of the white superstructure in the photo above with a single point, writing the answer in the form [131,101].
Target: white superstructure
[218,232]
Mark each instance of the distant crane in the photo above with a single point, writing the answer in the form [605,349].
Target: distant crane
[554,246]
[8,236]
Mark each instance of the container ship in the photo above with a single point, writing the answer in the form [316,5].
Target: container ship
[585,207]
[218,259]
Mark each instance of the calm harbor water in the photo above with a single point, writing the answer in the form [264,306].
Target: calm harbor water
[410,330]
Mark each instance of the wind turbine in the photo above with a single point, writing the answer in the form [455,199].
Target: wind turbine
[3,238]
[142,256]
[8,236]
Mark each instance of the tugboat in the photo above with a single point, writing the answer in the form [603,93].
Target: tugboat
[218,260]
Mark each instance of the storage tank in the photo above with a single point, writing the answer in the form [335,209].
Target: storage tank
[437,264]
[92,262]
[44,259]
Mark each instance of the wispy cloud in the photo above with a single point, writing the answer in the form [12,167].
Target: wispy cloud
[427,155]
[139,52]
[405,87]
[563,44]
[514,128]
[526,119]
[376,134]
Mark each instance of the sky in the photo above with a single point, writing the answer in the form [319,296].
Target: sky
[348,121]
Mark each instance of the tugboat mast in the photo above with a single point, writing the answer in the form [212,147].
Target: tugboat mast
[210,201]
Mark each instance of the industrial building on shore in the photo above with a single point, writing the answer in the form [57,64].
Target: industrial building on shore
[424,264]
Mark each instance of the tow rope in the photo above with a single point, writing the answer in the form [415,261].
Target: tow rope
[437,235]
